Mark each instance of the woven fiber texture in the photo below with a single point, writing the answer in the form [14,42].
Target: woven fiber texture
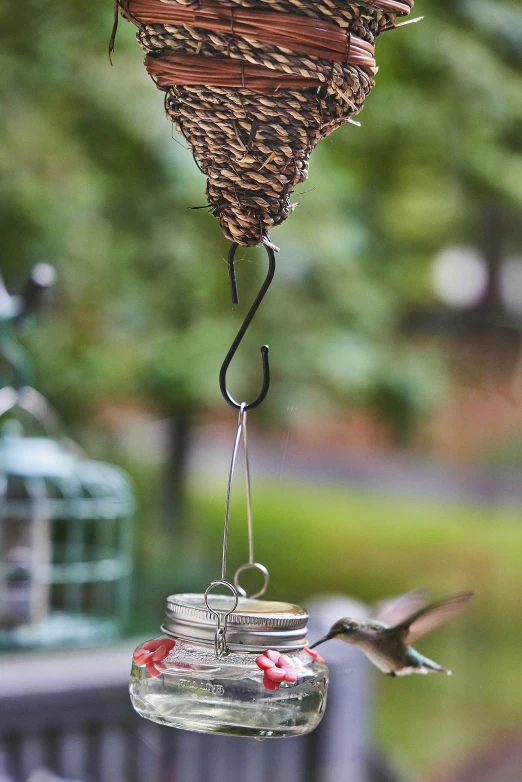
[253,85]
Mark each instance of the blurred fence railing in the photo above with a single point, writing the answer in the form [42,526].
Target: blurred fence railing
[70,713]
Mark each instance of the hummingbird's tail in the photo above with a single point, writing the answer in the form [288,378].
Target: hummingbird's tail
[429,666]
[435,669]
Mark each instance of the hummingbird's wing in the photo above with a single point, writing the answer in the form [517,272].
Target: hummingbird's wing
[397,609]
[427,619]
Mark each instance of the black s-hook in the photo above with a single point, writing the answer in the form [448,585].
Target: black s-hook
[242,331]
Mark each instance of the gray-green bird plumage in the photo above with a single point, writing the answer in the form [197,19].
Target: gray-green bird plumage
[388,641]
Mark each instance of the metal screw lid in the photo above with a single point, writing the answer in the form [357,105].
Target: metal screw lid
[254,625]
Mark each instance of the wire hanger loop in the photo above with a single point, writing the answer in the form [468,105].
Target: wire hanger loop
[220,641]
[220,638]
[251,564]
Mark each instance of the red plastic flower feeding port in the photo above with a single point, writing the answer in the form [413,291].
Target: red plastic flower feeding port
[152,654]
[315,655]
[277,667]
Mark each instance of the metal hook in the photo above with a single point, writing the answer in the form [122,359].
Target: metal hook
[242,331]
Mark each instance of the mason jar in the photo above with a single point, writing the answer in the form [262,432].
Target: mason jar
[266,685]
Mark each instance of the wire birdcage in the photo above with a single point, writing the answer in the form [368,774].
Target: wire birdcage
[65,520]
[65,536]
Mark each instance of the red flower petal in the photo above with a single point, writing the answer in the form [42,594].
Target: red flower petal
[153,671]
[140,656]
[285,662]
[151,646]
[273,655]
[276,675]
[159,654]
[290,675]
[169,643]
[263,662]
[269,685]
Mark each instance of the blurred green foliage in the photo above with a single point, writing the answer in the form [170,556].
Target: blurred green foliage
[91,181]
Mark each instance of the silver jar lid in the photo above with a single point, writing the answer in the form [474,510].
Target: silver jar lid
[255,624]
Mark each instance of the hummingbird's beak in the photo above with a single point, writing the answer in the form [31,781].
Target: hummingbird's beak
[321,641]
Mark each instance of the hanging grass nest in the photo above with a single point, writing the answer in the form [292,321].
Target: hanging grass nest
[253,85]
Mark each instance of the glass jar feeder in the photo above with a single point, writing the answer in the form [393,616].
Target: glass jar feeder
[266,685]
[231,664]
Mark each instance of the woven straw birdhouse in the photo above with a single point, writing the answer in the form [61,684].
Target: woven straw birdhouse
[253,85]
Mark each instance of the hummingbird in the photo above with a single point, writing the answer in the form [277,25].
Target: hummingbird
[388,641]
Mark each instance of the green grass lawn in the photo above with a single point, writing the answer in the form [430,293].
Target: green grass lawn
[319,539]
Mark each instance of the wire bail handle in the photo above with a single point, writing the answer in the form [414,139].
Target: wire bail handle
[220,643]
